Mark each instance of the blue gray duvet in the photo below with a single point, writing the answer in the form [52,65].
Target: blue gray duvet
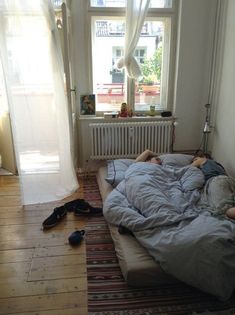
[160,205]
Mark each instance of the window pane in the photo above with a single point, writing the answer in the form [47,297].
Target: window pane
[107,48]
[122,3]
[108,3]
[160,4]
[152,87]
[22,66]
[57,3]
[152,53]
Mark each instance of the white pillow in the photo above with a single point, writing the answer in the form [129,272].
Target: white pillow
[176,159]
[116,170]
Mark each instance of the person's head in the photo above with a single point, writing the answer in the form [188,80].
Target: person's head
[154,160]
[200,153]
[86,99]
[208,156]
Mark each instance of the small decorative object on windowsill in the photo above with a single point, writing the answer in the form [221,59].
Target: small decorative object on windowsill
[166,113]
[130,112]
[111,114]
[125,111]
[206,130]
[152,111]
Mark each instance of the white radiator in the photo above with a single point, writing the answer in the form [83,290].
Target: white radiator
[129,139]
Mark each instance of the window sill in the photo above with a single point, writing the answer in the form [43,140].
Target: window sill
[122,119]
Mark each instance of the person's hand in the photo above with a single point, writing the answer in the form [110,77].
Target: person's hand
[198,161]
[231,213]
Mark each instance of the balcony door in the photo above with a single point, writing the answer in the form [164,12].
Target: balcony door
[7,152]
[70,86]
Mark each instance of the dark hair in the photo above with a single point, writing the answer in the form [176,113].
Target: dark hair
[200,153]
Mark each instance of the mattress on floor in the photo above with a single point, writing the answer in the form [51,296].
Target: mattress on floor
[137,266]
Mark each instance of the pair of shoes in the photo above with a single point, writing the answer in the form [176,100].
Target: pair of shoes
[76,237]
[80,206]
[58,214]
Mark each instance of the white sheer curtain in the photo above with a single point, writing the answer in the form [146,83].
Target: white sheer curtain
[135,15]
[33,75]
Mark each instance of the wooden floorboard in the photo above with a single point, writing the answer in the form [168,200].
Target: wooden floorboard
[44,302]
[40,273]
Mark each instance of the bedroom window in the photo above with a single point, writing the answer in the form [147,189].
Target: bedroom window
[153,53]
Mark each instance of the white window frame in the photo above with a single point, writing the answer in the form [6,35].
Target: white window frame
[138,49]
[152,13]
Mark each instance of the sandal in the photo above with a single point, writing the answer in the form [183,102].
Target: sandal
[76,237]
[57,215]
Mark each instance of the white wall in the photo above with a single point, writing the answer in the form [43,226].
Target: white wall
[223,148]
[195,37]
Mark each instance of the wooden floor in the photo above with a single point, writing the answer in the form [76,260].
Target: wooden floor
[40,273]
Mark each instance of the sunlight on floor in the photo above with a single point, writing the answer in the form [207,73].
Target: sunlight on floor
[38,162]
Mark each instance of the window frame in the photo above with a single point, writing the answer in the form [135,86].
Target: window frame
[153,13]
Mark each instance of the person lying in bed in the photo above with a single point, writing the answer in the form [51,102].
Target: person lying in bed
[208,166]
[211,168]
[148,156]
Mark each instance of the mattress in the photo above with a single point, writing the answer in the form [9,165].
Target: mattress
[137,266]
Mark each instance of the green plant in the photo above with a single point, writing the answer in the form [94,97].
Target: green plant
[151,68]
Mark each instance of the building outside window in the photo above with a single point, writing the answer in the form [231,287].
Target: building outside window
[140,54]
[153,53]
[118,75]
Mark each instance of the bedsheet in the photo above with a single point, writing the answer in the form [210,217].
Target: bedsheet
[161,206]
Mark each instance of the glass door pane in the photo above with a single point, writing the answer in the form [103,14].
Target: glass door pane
[107,49]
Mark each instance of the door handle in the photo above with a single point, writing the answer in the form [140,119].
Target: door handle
[74,90]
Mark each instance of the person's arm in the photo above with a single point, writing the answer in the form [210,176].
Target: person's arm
[198,162]
[144,156]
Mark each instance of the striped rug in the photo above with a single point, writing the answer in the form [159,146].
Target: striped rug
[108,294]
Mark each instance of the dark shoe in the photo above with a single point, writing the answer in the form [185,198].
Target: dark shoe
[57,215]
[88,210]
[74,204]
[76,237]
